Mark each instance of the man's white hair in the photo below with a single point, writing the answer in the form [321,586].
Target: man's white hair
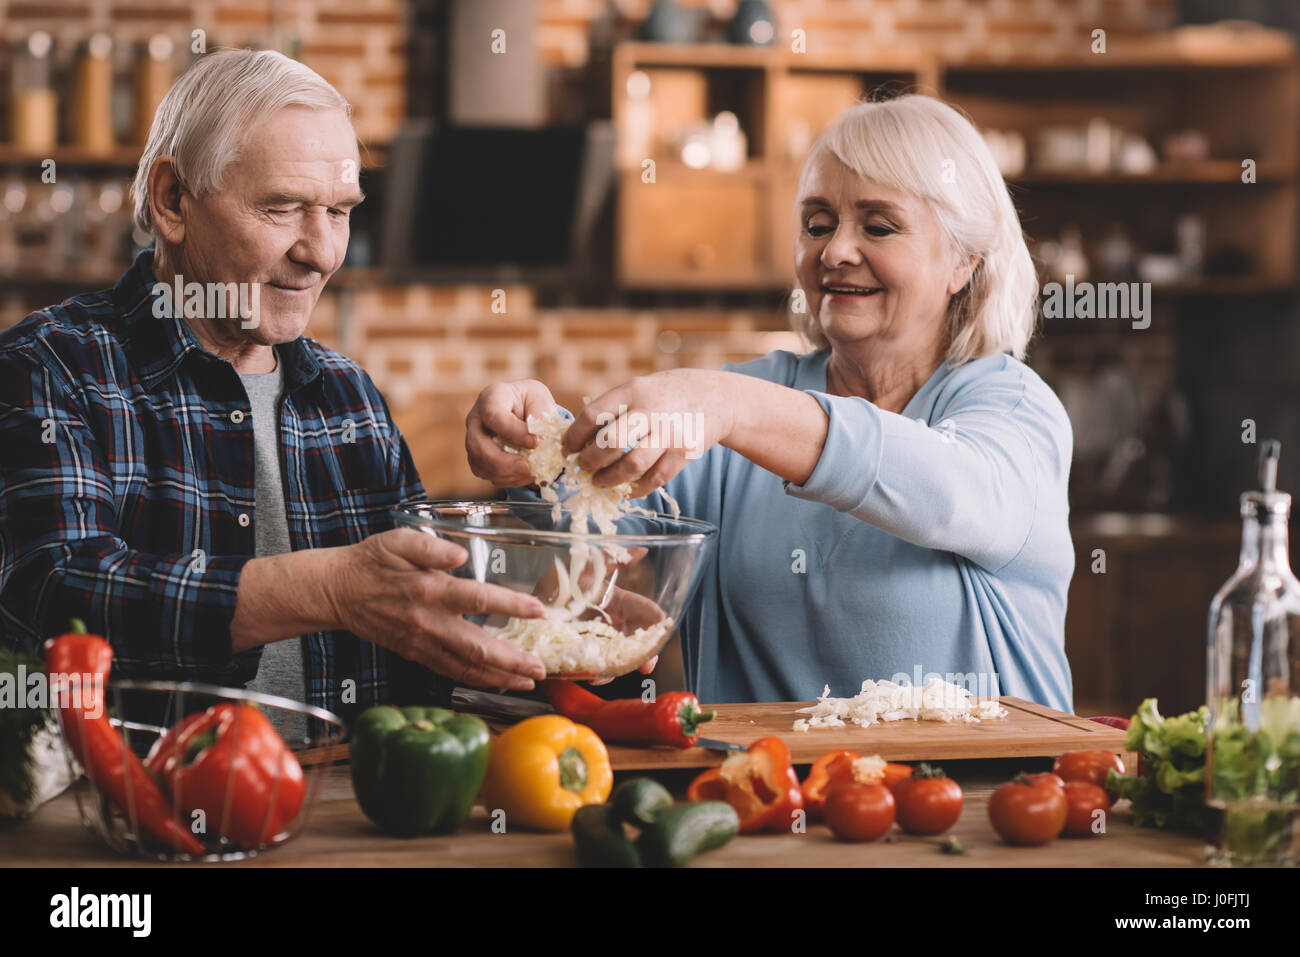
[921,146]
[202,121]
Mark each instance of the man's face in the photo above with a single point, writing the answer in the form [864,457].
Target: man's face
[280,219]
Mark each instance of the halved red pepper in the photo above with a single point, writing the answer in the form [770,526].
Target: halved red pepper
[836,767]
[760,784]
[230,763]
[673,719]
[110,765]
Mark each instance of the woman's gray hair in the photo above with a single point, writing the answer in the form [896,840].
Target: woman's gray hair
[202,120]
[922,146]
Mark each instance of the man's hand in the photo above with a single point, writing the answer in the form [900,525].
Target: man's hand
[390,589]
[502,412]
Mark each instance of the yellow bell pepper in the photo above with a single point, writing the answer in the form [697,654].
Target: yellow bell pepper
[545,768]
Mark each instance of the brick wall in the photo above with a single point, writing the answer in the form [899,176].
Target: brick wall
[431,350]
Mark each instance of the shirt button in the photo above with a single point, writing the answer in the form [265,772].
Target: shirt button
[237,416]
[244,519]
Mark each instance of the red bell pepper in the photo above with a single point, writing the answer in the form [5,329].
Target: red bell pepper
[836,767]
[110,765]
[230,763]
[673,719]
[760,784]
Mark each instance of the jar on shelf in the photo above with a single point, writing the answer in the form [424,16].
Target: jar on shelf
[1253,688]
[34,106]
[153,78]
[92,117]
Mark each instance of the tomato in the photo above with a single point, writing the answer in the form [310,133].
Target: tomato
[1083,801]
[859,812]
[1090,766]
[1028,812]
[1046,777]
[929,802]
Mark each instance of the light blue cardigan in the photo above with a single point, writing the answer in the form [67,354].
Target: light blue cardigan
[932,542]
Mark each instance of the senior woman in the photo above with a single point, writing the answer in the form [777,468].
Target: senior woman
[892,503]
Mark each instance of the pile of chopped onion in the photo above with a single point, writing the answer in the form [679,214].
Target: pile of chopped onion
[879,701]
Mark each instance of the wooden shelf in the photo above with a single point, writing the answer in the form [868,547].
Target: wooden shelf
[1227,286]
[121,157]
[708,55]
[1142,53]
[70,279]
[1243,92]
[668,166]
[1172,51]
[348,277]
[1210,172]
[373,156]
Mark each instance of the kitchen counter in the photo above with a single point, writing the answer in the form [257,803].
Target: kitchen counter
[339,835]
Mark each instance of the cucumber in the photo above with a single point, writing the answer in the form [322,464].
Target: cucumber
[678,834]
[598,834]
[640,800]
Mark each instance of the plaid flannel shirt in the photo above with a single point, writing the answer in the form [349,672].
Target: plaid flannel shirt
[126,492]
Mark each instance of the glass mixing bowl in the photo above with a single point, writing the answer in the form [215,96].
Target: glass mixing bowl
[612,601]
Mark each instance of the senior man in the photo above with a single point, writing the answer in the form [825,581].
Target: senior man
[208,488]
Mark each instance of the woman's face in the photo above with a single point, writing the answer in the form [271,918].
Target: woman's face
[872,261]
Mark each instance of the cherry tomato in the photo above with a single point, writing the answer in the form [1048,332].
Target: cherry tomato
[1028,812]
[1046,777]
[929,802]
[1083,801]
[859,812]
[1090,766]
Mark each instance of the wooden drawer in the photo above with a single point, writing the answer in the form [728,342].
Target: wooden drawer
[692,228]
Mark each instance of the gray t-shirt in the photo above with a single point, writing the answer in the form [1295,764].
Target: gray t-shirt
[281,669]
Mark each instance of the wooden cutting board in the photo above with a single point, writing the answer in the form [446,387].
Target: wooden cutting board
[1029,730]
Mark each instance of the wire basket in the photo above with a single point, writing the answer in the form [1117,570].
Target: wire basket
[142,712]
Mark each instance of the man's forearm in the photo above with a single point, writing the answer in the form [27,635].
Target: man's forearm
[284,596]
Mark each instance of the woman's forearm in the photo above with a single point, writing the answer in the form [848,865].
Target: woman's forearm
[777,428]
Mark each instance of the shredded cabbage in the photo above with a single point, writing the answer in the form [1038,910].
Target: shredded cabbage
[553,471]
[565,641]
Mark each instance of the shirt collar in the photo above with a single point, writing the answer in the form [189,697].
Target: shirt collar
[158,345]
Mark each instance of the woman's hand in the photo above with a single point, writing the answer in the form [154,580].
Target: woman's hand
[670,417]
[502,412]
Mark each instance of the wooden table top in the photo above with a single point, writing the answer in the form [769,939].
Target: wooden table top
[339,835]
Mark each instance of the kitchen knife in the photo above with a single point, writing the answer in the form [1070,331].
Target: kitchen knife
[505,707]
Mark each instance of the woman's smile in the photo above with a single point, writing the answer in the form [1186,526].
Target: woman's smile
[849,292]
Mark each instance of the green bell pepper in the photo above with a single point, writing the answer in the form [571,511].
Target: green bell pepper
[418,770]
